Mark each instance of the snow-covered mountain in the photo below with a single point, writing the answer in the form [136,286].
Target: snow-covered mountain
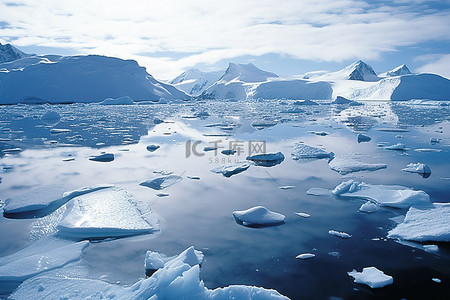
[194,81]
[10,53]
[358,70]
[90,78]
[245,73]
[400,70]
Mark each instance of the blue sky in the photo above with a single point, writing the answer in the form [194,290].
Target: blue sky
[287,37]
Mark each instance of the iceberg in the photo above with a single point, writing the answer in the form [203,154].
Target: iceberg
[302,151]
[344,101]
[258,216]
[231,169]
[425,223]
[267,160]
[372,277]
[41,256]
[305,102]
[117,101]
[162,182]
[368,207]
[178,279]
[155,260]
[344,165]
[111,212]
[419,168]
[384,195]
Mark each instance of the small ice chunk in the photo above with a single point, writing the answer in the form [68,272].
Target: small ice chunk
[111,212]
[363,138]
[384,195]
[341,234]
[397,147]
[267,160]
[321,133]
[105,157]
[427,150]
[263,124]
[152,148]
[417,168]
[287,187]
[153,261]
[368,207]
[342,101]
[162,182]
[157,121]
[228,151]
[303,215]
[305,256]
[431,248]
[59,130]
[193,177]
[302,151]
[437,280]
[258,216]
[344,165]
[434,140]
[162,195]
[231,169]
[305,102]
[372,277]
[126,100]
[426,223]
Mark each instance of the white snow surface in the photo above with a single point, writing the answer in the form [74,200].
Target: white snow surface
[111,212]
[90,78]
[258,215]
[372,277]
[178,279]
[345,165]
[384,195]
[425,223]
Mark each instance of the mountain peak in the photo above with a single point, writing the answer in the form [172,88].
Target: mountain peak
[400,70]
[359,70]
[246,73]
[10,53]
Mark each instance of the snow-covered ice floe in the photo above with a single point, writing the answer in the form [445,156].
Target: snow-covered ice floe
[304,256]
[425,223]
[43,200]
[341,234]
[267,160]
[368,207]
[344,165]
[231,169]
[418,168]
[111,212]
[104,157]
[161,182]
[302,151]
[372,277]
[397,147]
[344,101]
[384,195]
[179,278]
[41,256]
[258,216]
[156,260]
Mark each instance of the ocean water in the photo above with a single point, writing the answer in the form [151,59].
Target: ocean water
[199,212]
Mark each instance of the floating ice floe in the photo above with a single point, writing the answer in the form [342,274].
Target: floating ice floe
[425,223]
[368,207]
[427,150]
[117,101]
[267,160]
[344,165]
[41,256]
[11,150]
[59,130]
[342,101]
[304,102]
[231,169]
[43,200]
[287,187]
[318,192]
[372,277]
[152,148]
[193,177]
[431,248]
[341,234]
[105,157]
[363,138]
[418,168]
[263,124]
[397,147]
[302,151]
[305,256]
[258,216]
[162,182]
[155,260]
[437,280]
[176,280]
[303,215]
[384,195]
[111,212]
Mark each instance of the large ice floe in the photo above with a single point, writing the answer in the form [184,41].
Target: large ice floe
[177,278]
[302,151]
[425,223]
[418,168]
[41,256]
[162,182]
[384,195]
[267,160]
[111,212]
[344,165]
[231,169]
[258,216]
[43,200]
[372,277]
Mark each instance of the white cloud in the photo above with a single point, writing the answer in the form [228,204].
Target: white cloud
[439,63]
[211,30]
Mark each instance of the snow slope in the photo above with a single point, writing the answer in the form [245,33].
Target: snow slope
[89,78]
[358,70]
[194,81]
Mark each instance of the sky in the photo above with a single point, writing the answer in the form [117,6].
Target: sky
[288,37]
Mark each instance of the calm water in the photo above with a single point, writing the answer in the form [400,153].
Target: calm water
[199,212]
